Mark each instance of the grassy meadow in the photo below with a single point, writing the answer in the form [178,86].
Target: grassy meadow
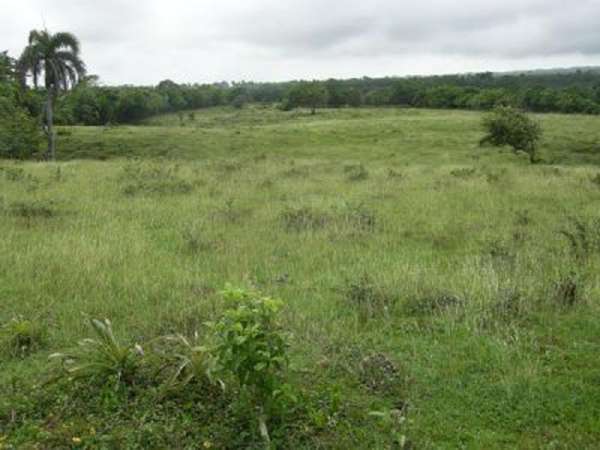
[438,294]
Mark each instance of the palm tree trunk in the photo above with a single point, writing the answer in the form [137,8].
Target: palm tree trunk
[51,154]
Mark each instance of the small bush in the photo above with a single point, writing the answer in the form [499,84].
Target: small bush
[20,134]
[509,126]
[252,345]
[596,179]
[20,337]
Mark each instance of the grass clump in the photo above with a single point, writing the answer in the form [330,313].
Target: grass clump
[356,172]
[583,236]
[358,217]
[33,209]
[21,337]
[464,173]
[433,303]
[153,179]
[189,362]
[367,298]
[195,241]
[568,290]
[101,359]
[303,219]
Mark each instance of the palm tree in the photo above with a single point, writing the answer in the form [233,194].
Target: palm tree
[56,58]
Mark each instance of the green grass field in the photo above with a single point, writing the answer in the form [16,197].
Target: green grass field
[438,294]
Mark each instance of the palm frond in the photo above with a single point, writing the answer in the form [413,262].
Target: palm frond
[63,40]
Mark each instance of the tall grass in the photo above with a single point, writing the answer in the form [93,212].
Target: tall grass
[452,279]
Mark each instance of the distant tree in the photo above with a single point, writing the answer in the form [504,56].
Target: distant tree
[509,126]
[174,95]
[19,130]
[240,101]
[56,58]
[308,95]
[7,67]
[20,134]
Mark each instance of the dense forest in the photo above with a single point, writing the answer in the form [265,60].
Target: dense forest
[91,103]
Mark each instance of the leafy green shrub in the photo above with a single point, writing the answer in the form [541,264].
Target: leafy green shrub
[21,337]
[509,126]
[596,179]
[252,345]
[20,135]
[101,359]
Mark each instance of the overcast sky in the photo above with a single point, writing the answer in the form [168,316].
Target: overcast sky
[145,41]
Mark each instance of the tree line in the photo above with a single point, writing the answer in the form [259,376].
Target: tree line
[91,104]
[578,92]
[48,84]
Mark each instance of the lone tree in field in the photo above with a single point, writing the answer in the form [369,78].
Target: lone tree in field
[308,95]
[506,125]
[55,57]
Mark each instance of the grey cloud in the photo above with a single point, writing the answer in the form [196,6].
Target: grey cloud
[208,40]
